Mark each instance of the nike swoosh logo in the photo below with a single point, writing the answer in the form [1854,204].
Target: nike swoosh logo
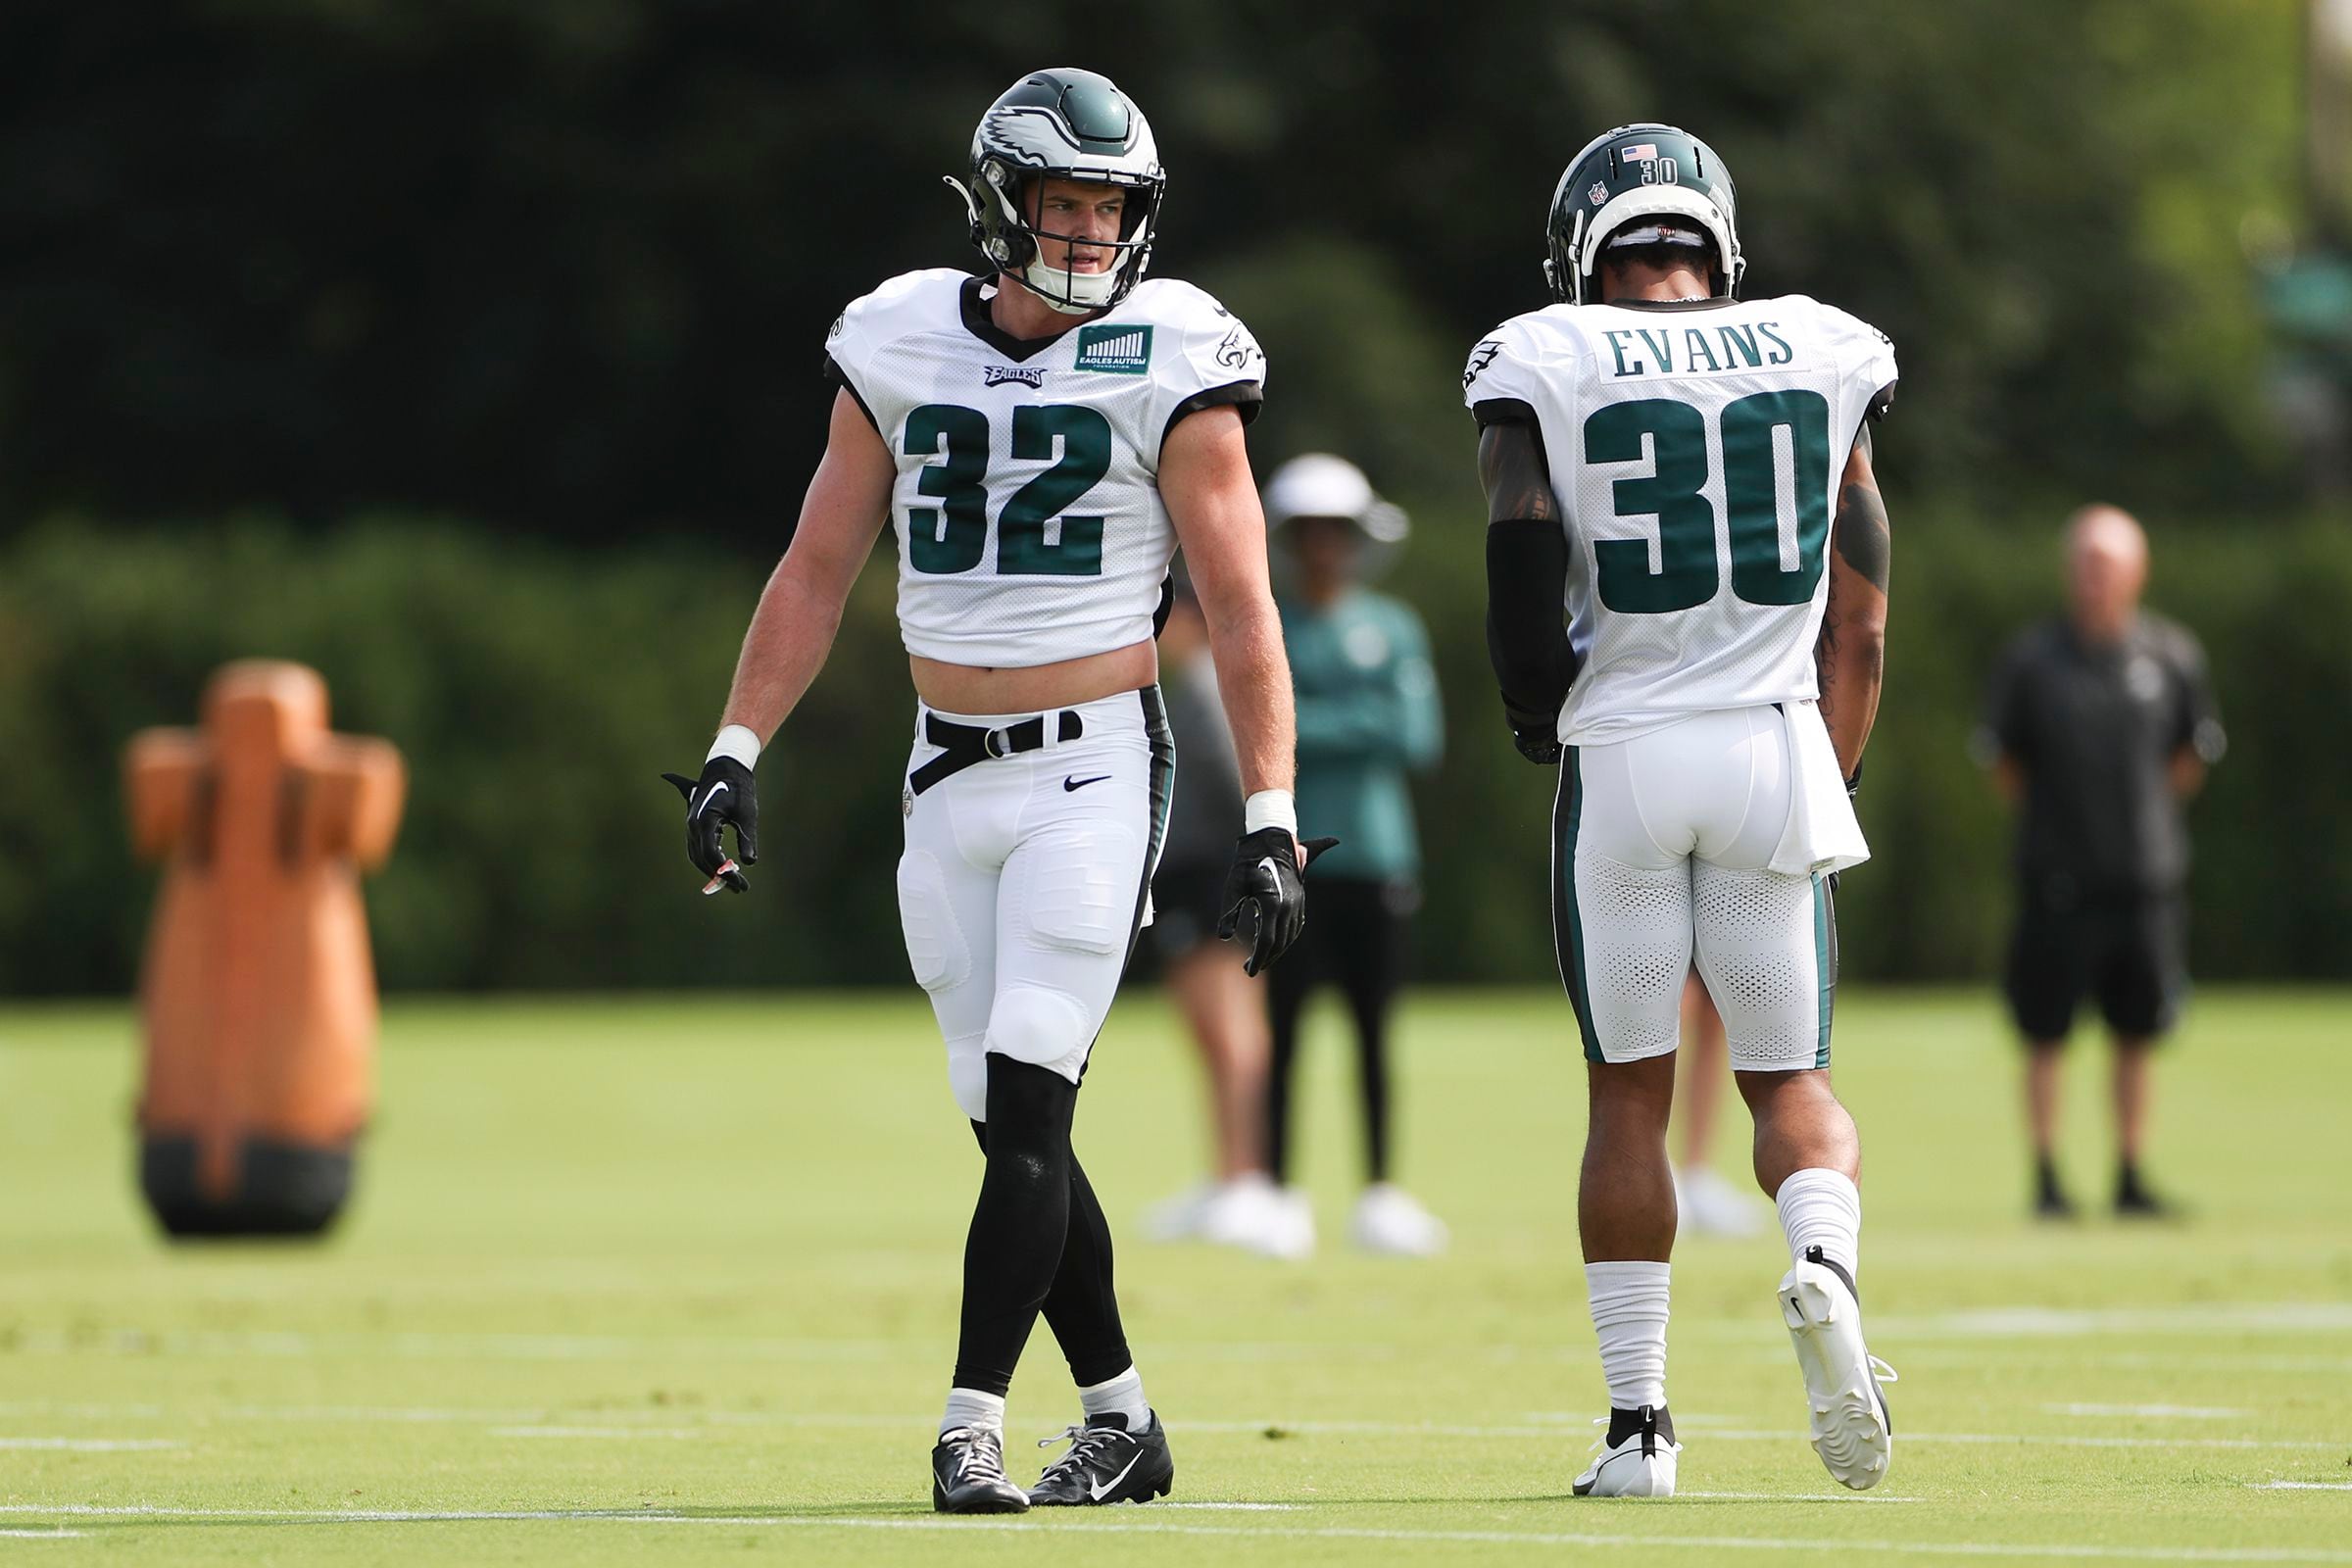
[1112,1485]
[1069,784]
[1266,864]
[708,799]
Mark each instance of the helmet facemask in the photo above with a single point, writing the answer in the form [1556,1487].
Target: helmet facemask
[1012,240]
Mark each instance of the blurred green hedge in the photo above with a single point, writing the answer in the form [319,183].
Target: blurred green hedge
[537,694]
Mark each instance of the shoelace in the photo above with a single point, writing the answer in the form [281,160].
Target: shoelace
[1086,1443]
[1883,1372]
[983,1457]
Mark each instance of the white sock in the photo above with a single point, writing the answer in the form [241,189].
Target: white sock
[1629,1313]
[969,1407]
[1822,1208]
[1119,1395]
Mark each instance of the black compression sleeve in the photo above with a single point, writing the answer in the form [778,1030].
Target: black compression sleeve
[1527,634]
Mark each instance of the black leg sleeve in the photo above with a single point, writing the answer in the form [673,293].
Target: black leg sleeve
[1020,1222]
[1081,1308]
[1373,957]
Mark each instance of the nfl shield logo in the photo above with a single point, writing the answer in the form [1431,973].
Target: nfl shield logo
[1600,193]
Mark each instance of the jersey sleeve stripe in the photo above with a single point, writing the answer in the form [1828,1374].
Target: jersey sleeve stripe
[839,378]
[1243,397]
[1502,411]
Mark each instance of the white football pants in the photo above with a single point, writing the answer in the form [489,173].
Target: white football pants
[1660,849]
[1025,881]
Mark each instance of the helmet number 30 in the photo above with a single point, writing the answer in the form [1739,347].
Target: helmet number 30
[1661,172]
[1776,501]
[1032,536]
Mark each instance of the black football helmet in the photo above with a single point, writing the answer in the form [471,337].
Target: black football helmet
[1636,172]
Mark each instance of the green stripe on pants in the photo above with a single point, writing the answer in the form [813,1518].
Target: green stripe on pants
[1824,965]
[1567,925]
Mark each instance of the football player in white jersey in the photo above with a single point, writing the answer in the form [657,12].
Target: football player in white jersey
[1041,440]
[1689,474]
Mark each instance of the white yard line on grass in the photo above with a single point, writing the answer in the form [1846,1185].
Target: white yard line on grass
[2251,1319]
[619,1425]
[2162,1412]
[2301,1485]
[93,1444]
[1131,1525]
[624,1434]
[2045,1322]
[43,1534]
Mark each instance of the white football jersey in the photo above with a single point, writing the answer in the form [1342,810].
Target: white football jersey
[1694,450]
[1027,505]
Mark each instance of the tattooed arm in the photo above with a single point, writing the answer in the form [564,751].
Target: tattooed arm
[1527,581]
[1850,657]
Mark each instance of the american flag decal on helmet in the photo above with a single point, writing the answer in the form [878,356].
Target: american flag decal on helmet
[1642,153]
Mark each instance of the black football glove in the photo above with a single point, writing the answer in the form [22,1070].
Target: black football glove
[1537,735]
[1265,898]
[722,795]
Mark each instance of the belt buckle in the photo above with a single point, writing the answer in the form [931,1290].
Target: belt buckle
[997,743]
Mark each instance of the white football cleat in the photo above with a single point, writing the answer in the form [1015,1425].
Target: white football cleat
[1709,1205]
[1248,1214]
[1179,1218]
[1288,1229]
[1391,1220]
[1851,1429]
[1641,1465]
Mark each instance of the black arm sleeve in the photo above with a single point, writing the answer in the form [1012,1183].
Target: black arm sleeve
[1527,633]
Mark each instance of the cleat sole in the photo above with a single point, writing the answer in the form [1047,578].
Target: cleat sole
[1847,1417]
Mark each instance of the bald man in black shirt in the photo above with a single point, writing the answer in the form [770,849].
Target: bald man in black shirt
[2100,727]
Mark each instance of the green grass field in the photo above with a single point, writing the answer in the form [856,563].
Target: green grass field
[667,1282]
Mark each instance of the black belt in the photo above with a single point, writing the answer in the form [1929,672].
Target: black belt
[962,745]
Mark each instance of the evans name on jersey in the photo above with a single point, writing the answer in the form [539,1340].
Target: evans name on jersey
[1694,449]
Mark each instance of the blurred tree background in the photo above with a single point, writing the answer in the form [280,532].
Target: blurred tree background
[468,350]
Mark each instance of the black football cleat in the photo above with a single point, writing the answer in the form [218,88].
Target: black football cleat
[967,1474]
[1107,1463]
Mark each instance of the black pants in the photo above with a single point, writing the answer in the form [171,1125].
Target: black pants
[1357,935]
[2124,949]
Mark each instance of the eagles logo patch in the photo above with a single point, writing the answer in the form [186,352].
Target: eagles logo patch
[1238,350]
[1481,357]
[841,324]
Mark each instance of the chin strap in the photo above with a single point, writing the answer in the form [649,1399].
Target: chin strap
[971,203]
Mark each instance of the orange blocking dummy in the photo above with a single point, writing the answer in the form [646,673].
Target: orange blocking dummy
[259,992]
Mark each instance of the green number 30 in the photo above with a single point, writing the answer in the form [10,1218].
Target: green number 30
[1686,573]
[953,536]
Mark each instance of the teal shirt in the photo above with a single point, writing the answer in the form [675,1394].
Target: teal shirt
[1368,713]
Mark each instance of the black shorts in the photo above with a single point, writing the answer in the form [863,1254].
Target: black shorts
[1185,902]
[2128,952]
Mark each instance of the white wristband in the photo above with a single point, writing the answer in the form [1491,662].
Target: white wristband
[1271,808]
[738,741]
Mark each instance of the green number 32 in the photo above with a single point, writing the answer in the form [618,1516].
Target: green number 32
[953,536]
[1686,573]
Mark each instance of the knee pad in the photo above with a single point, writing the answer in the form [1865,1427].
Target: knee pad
[968,1076]
[935,946]
[1043,1028]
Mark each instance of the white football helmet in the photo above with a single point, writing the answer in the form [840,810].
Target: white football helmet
[1077,125]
